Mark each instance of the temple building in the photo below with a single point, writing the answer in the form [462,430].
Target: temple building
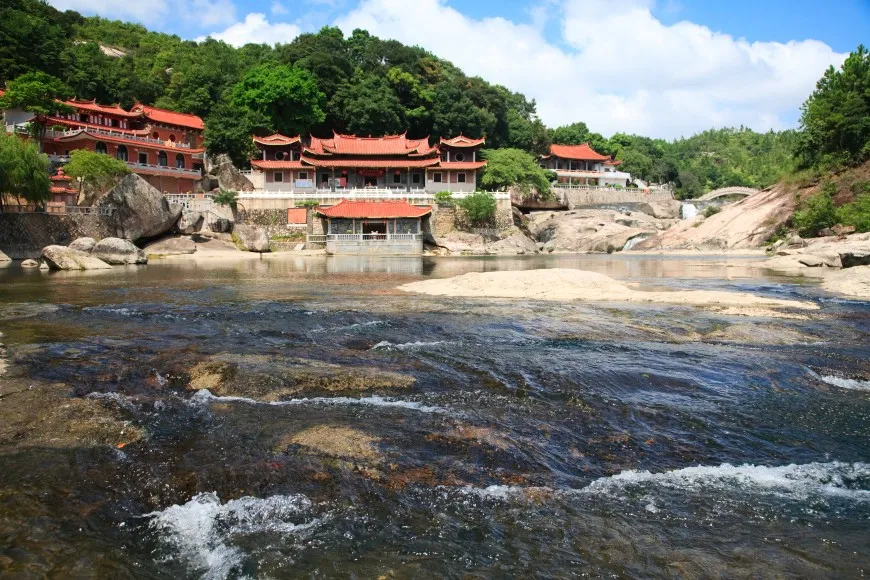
[373,227]
[580,165]
[163,147]
[349,162]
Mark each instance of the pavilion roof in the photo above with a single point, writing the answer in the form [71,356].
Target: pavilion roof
[95,107]
[168,145]
[386,145]
[466,165]
[463,141]
[275,164]
[277,139]
[374,209]
[578,152]
[376,163]
[168,117]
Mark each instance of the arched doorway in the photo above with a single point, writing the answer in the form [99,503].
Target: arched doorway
[179,161]
[101,148]
[161,159]
[122,153]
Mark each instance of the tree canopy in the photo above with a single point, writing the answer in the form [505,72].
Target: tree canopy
[23,171]
[95,170]
[514,168]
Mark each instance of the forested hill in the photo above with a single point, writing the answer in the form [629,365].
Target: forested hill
[322,82]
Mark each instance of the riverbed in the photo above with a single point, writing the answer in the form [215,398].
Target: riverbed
[302,416]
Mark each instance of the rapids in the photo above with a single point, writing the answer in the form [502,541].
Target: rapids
[426,436]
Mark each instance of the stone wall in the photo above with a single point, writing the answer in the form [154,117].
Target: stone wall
[445,219]
[588,197]
[24,235]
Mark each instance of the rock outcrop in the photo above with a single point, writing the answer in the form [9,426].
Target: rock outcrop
[662,209]
[854,282]
[83,244]
[118,251]
[228,177]
[516,243]
[251,238]
[63,258]
[29,264]
[832,252]
[190,222]
[4,259]
[591,230]
[748,223]
[171,247]
[140,210]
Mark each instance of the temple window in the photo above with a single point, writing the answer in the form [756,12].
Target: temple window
[155,135]
[303,175]
[121,153]
[279,155]
[415,178]
[459,157]
[143,159]
[460,177]
[101,148]
[278,177]
[172,138]
[436,177]
[397,178]
[161,159]
[179,161]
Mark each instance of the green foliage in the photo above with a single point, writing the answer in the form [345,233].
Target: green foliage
[816,213]
[23,171]
[711,210]
[856,213]
[835,119]
[36,92]
[514,168]
[228,129]
[479,207]
[95,170]
[225,197]
[444,198]
[285,95]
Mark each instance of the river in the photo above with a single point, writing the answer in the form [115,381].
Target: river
[484,438]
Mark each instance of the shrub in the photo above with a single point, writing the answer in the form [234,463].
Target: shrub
[444,198]
[479,207]
[856,213]
[225,197]
[711,210]
[308,203]
[818,212]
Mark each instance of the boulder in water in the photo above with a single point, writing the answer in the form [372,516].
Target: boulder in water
[118,251]
[662,209]
[251,238]
[83,244]
[171,246]
[139,210]
[516,243]
[63,258]
[4,257]
[28,264]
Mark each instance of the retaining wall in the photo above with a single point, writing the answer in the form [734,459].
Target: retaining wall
[588,197]
[24,235]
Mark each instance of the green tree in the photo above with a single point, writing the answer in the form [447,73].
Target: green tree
[228,129]
[368,106]
[514,168]
[573,134]
[38,93]
[479,207]
[95,170]
[225,197]
[835,119]
[816,213]
[285,95]
[23,171]
[856,213]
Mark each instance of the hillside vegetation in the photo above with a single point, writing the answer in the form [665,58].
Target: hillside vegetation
[324,82]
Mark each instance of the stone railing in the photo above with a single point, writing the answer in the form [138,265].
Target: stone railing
[330,196]
[50,133]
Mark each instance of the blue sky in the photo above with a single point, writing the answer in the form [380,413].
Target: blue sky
[665,68]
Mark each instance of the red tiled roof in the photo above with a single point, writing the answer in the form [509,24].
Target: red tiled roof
[370,163]
[60,175]
[374,209]
[55,189]
[353,145]
[579,152]
[97,108]
[277,139]
[169,117]
[463,141]
[467,165]
[270,164]
[73,123]
[165,146]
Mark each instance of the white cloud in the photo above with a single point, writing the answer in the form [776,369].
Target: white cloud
[616,66]
[258,30]
[200,13]
[278,9]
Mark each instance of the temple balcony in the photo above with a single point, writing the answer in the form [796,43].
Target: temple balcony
[51,134]
[164,170]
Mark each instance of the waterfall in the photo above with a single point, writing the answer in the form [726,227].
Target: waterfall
[688,211]
[635,240]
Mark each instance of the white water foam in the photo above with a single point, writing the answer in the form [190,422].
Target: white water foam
[351,326]
[203,530]
[205,396]
[851,384]
[112,310]
[387,345]
[834,479]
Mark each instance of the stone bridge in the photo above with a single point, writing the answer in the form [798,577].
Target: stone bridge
[726,191]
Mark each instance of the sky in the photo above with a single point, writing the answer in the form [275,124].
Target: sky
[663,68]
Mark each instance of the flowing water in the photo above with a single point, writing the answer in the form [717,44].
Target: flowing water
[537,439]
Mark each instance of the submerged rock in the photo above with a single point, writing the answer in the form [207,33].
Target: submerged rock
[63,258]
[83,244]
[29,264]
[4,259]
[251,238]
[171,246]
[853,282]
[118,251]
[334,441]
